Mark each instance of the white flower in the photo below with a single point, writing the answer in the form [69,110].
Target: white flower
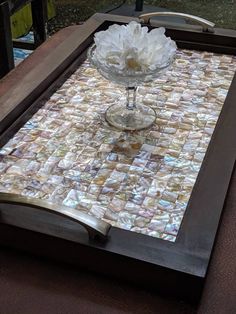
[132,48]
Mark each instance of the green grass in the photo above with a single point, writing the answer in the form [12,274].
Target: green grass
[221,12]
[70,12]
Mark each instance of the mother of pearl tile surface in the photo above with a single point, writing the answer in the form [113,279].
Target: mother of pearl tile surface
[140,181]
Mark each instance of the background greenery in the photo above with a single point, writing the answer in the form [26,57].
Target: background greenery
[69,12]
[221,12]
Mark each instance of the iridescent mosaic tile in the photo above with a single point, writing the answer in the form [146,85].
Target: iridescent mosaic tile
[140,181]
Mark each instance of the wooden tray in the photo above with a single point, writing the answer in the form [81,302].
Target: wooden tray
[128,255]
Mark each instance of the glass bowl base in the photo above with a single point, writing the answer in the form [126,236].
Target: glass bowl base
[141,117]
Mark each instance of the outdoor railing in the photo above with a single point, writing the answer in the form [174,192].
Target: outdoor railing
[39,18]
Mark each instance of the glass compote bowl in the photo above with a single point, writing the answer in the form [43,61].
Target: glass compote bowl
[131,116]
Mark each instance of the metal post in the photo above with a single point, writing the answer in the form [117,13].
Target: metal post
[139,5]
[39,16]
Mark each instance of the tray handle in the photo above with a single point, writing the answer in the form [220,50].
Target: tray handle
[97,229]
[207,26]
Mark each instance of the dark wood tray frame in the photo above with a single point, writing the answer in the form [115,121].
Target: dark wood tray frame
[176,268]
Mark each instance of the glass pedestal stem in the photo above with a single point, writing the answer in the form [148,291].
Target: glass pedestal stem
[131,98]
[130,116]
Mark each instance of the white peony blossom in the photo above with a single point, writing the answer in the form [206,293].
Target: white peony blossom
[133,48]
